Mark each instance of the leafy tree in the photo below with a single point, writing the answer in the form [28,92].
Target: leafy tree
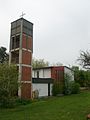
[81,76]
[87,78]
[37,63]
[3,55]
[8,83]
[76,72]
[85,59]
[75,68]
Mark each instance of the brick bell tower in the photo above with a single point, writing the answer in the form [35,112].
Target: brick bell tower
[21,49]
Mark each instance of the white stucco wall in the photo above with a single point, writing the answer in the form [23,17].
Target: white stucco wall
[42,88]
[43,73]
[47,73]
[69,72]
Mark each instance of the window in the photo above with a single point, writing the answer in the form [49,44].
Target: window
[15,57]
[13,43]
[17,41]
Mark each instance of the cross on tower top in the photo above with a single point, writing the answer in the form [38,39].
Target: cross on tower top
[22,15]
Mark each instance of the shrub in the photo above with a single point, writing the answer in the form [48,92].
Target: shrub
[20,101]
[68,89]
[75,88]
[8,85]
[67,84]
[57,89]
[7,102]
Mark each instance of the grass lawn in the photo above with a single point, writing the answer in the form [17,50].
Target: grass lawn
[73,107]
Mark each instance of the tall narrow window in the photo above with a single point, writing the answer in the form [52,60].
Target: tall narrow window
[17,41]
[15,57]
[13,43]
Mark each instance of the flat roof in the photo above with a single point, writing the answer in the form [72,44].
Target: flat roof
[50,67]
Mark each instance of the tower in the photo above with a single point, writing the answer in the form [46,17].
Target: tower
[21,49]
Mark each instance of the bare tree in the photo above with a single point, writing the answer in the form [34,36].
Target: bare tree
[84,59]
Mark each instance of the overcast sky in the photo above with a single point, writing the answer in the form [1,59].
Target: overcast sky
[61,27]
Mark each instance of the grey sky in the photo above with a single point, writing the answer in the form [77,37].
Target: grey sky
[61,27]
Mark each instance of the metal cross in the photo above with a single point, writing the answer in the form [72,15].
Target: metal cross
[22,15]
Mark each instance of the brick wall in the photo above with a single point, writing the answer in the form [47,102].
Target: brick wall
[26,90]
[26,73]
[57,73]
[26,70]
[27,42]
[26,57]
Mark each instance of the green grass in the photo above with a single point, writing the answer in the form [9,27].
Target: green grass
[73,107]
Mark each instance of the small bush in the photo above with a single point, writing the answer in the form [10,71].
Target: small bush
[7,103]
[57,89]
[8,85]
[75,88]
[67,84]
[5,100]
[20,101]
[68,89]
